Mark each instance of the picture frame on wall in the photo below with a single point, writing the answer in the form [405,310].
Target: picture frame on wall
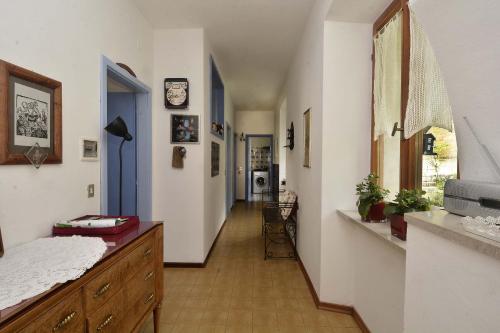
[1,244]
[176,93]
[215,165]
[184,129]
[30,115]
[307,138]
[89,149]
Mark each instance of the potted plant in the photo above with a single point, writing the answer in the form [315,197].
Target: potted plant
[371,199]
[406,201]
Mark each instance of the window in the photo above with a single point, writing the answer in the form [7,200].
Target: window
[407,162]
[217,101]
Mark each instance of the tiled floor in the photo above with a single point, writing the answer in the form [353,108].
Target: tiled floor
[240,292]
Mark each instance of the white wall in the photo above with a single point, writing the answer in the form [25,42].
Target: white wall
[461,34]
[449,288]
[190,201]
[304,90]
[64,40]
[346,148]
[215,187]
[282,139]
[177,191]
[378,281]
[249,122]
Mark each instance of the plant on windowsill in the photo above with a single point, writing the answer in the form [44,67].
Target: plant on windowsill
[407,201]
[371,199]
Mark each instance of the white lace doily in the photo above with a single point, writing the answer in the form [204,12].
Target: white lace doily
[33,268]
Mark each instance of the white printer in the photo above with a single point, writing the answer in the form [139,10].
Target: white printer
[472,198]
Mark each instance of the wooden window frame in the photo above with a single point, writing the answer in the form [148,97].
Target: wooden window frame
[410,159]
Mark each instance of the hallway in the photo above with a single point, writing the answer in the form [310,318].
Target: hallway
[240,292]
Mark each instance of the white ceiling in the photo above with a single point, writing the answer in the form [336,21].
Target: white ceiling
[254,40]
[358,11]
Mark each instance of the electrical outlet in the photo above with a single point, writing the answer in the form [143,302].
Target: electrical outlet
[90,190]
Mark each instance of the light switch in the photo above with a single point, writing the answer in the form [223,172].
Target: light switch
[90,190]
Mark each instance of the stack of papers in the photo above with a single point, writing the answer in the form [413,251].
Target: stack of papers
[92,223]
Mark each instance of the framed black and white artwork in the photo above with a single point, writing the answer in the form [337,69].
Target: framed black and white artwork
[215,159]
[31,116]
[89,149]
[176,93]
[1,244]
[184,128]
[307,138]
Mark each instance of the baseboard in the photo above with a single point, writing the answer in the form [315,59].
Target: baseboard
[214,243]
[184,264]
[359,321]
[346,309]
[197,264]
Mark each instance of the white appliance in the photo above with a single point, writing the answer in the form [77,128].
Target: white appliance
[472,198]
[260,181]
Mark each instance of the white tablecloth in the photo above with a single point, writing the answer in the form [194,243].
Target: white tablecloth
[33,268]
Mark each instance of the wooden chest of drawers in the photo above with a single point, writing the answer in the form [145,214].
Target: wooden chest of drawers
[117,295]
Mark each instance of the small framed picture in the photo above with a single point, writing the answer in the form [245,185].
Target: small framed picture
[89,149]
[307,138]
[215,159]
[30,115]
[1,244]
[176,93]
[184,128]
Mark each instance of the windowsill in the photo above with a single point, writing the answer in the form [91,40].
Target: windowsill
[217,135]
[449,226]
[382,230]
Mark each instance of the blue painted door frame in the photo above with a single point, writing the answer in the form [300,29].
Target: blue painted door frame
[248,176]
[229,136]
[235,172]
[143,136]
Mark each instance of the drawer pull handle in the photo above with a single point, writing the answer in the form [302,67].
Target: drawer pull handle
[105,323]
[149,275]
[101,291]
[149,298]
[147,252]
[66,320]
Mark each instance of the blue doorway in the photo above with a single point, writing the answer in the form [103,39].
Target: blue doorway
[258,165]
[122,104]
[137,169]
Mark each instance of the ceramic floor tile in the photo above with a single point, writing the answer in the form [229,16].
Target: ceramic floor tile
[211,329]
[238,291]
[214,317]
[239,329]
[264,318]
[239,317]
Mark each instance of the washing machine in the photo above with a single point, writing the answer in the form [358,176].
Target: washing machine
[260,181]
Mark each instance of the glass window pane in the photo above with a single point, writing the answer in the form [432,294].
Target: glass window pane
[389,159]
[439,162]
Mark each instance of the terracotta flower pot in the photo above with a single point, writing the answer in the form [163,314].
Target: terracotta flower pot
[398,226]
[376,213]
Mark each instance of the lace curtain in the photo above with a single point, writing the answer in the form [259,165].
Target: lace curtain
[387,77]
[428,103]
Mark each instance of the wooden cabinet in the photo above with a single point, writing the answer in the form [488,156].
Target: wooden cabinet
[116,296]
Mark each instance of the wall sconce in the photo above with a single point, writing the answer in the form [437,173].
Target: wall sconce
[242,137]
[290,137]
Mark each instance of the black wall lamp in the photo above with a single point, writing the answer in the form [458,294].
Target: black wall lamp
[242,137]
[290,137]
[118,128]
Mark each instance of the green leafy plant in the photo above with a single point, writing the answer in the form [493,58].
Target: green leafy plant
[408,201]
[369,193]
